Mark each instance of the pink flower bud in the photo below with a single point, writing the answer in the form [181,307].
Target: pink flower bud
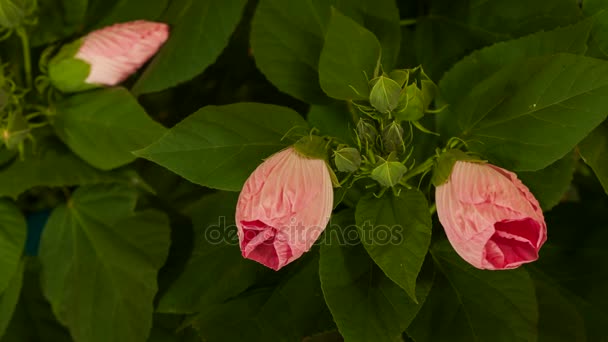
[283,208]
[490,217]
[115,52]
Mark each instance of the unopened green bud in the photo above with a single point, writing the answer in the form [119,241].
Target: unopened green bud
[388,173]
[366,131]
[411,106]
[401,76]
[392,137]
[16,131]
[347,159]
[385,94]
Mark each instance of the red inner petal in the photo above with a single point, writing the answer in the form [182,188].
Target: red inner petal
[513,243]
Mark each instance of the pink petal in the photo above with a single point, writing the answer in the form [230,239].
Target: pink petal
[115,52]
[283,208]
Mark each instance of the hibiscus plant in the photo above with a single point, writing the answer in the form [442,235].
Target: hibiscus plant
[296,170]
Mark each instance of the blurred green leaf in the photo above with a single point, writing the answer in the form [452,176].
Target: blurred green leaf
[219,146]
[287,38]
[453,29]
[396,232]
[57,19]
[348,78]
[167,328]
[216,271]
[366,305]
[594,150]
[529,114]
[467,304]
[53,165]
[125,10]
[333,120]
[99,264]
[12,241]
[9,298]
[288,312]
[33,319]
[103,127]
[200,30]
[551,183]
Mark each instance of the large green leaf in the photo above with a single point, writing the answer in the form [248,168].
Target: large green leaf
[333,120]
[288,312]
[366,304]
[452,29]
[126,10]
[33,319]
[10,297]
[396,232]
[12,241]
[477,66]
[57,19]
[598,42]
[287,38]
[216,271]
[199,32]
[53,165]
[529,114]
[594,150]
[551,183]
[350,58]
[467,304]
[100,262]
[103,127]
[219,146]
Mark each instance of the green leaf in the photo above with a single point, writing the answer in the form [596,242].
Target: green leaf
[453,29]
[216,271]
[350,58]
[200,30]
[103,127]
[33,318]
[365,304]
[53,165]
[287,38]
[385,94]
[594,149]
[551,183]
[333,120]
[468,304]
[126,10]
[59,19]
[530,114]
[12,241]
[219,146]
[598,41]
[396,232]
[289,311]
[168,328]
[10,297]
[97,254]
[11,13]
[477,66]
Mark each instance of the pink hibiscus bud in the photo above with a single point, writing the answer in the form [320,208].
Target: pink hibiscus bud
[107,56]
[285,205]
[490,217]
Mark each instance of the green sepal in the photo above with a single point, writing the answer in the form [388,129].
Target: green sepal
[445,163]
[384,95]
[347,159]
[411,104]
[388,173]
[312,146]
[68,73]
[401,76]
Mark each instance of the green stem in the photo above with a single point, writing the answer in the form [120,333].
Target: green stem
[422,168]
[407,22]
[27,59]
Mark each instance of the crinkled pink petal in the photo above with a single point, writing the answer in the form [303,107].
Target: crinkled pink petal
[491,219]
[283,208]
[115,52]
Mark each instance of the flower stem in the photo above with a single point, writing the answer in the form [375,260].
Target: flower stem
[27,59]
[407,22]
